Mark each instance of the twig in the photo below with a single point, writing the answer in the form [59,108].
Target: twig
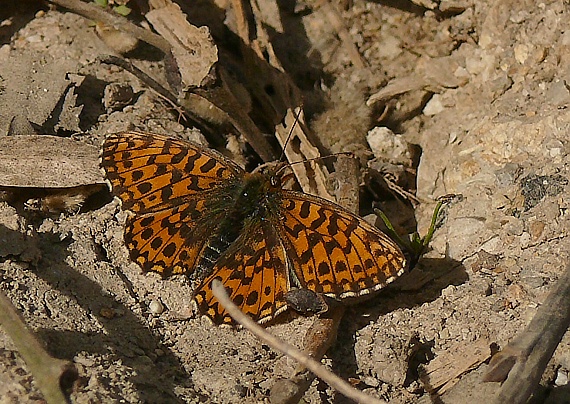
[319,338]
[330,378]
[93,12]
[526,357]
[51,374]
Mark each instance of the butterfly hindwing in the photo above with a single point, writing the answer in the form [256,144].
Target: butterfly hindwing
[254,274]
[168,241]
[335,252]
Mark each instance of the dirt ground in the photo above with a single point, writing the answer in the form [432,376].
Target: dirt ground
[482,89]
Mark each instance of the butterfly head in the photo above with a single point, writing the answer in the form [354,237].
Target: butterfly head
[275,174]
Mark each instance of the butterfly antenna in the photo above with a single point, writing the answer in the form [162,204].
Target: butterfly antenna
[295,122]
[328,156]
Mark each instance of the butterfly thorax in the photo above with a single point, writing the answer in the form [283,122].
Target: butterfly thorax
[249,200]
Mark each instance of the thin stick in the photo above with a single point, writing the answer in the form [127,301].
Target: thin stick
[51,374]
[330,378]
[526,357]
[93,12]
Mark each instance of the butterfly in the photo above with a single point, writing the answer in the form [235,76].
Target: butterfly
[196,212]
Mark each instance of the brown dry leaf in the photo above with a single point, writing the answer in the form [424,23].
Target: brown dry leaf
[192,47]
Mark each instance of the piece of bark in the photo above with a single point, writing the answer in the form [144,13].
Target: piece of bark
[43,161]
[49,174]
[522,363]
[192,47]
[303,155]
[446,370]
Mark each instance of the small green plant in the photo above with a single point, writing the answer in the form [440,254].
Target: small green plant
[416,244]
[120,9]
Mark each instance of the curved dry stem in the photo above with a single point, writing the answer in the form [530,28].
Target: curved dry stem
[51,374]
[94,12]
[318,369]
[523,361]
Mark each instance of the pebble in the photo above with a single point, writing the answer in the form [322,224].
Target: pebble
[156,307]
[370,381]
[561,378]
[434,106]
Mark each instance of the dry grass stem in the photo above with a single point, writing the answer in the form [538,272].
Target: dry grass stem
[318,369]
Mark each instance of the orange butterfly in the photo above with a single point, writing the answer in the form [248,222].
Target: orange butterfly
[198,213]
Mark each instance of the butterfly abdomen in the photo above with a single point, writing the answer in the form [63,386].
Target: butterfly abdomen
[212,251]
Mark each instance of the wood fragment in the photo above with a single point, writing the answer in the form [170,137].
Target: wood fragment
[324,374]
[51,374]
[445,371]
[192,47]
[222,97]
[524,360]
[318,339]
[310,174]
[44,161]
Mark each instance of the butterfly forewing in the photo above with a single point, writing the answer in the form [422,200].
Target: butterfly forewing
[166,184]
[152,172]
[335,252]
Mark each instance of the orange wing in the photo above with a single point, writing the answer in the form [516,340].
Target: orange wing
[150,172]
[166,183]
[333,251]
[169,241]
[254,274]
